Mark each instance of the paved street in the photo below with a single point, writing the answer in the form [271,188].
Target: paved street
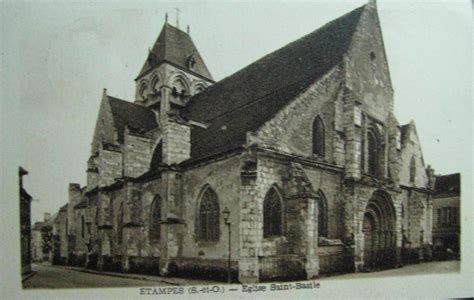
[438,267]
[58,277]
[61,277]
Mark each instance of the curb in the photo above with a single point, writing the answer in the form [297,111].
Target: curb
[136,277]
[33,273]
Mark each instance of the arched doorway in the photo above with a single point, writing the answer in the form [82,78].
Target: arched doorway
[379,232]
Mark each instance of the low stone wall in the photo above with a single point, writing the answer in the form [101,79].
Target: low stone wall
[334,259]
[144,265]
[199,268]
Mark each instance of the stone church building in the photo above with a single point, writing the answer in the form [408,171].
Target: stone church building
[302,147]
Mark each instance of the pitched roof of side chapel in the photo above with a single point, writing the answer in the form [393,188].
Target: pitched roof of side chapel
[244,101]
[176,47]
[134,116]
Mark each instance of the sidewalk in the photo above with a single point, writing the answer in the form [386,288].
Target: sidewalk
[168,280]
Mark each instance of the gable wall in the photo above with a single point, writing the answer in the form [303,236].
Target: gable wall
[104,131]
[412,148]
[369,79]
[290,130]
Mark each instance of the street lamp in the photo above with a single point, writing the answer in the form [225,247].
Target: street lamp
[226,215]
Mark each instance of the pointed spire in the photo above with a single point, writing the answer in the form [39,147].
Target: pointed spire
[104,92]
[373,3]
[166,17]
[188,30]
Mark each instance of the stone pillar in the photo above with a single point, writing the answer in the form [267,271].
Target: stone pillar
[104,229]
[251,229]
[302,232]
[353,132]
[172,229]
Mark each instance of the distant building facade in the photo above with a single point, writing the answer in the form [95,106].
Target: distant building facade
[25,224]
[302,147]
[447,216]
[42,239]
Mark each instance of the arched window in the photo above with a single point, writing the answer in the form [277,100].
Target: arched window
[318,137]
[372,153]
[272,214]
[322,215]
[120,225]
[155,219]
[209,216]
[412,169]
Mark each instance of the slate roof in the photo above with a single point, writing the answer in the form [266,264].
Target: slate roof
[447,185]
[247,99]
[176,47]
[134,116]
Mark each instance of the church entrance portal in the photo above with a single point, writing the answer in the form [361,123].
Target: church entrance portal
[379,232]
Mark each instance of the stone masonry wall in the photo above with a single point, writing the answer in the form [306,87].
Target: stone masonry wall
[150,190]
[138,150]
[176,141]
[412,148]
[224,178]
[293,135]
[74,198]
[367,73]
[272,173]
[110,166]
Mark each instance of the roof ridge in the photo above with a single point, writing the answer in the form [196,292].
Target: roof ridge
[267,56]
[254,101]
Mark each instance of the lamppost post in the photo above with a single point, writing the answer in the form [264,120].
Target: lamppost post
[226,214]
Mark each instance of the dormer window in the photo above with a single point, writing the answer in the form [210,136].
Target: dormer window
[191,62]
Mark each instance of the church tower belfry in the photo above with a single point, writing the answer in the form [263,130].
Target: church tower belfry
[173,71]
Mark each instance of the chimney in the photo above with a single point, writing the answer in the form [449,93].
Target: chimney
[74,198]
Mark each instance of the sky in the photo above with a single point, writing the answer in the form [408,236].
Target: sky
[56,58]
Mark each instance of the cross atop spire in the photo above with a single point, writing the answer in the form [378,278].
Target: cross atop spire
[177,16]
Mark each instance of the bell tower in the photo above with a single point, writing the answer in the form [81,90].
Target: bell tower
[173,72]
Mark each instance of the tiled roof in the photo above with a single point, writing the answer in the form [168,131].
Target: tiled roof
[447,184]
[247,99]
[176,47]
[134,116]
